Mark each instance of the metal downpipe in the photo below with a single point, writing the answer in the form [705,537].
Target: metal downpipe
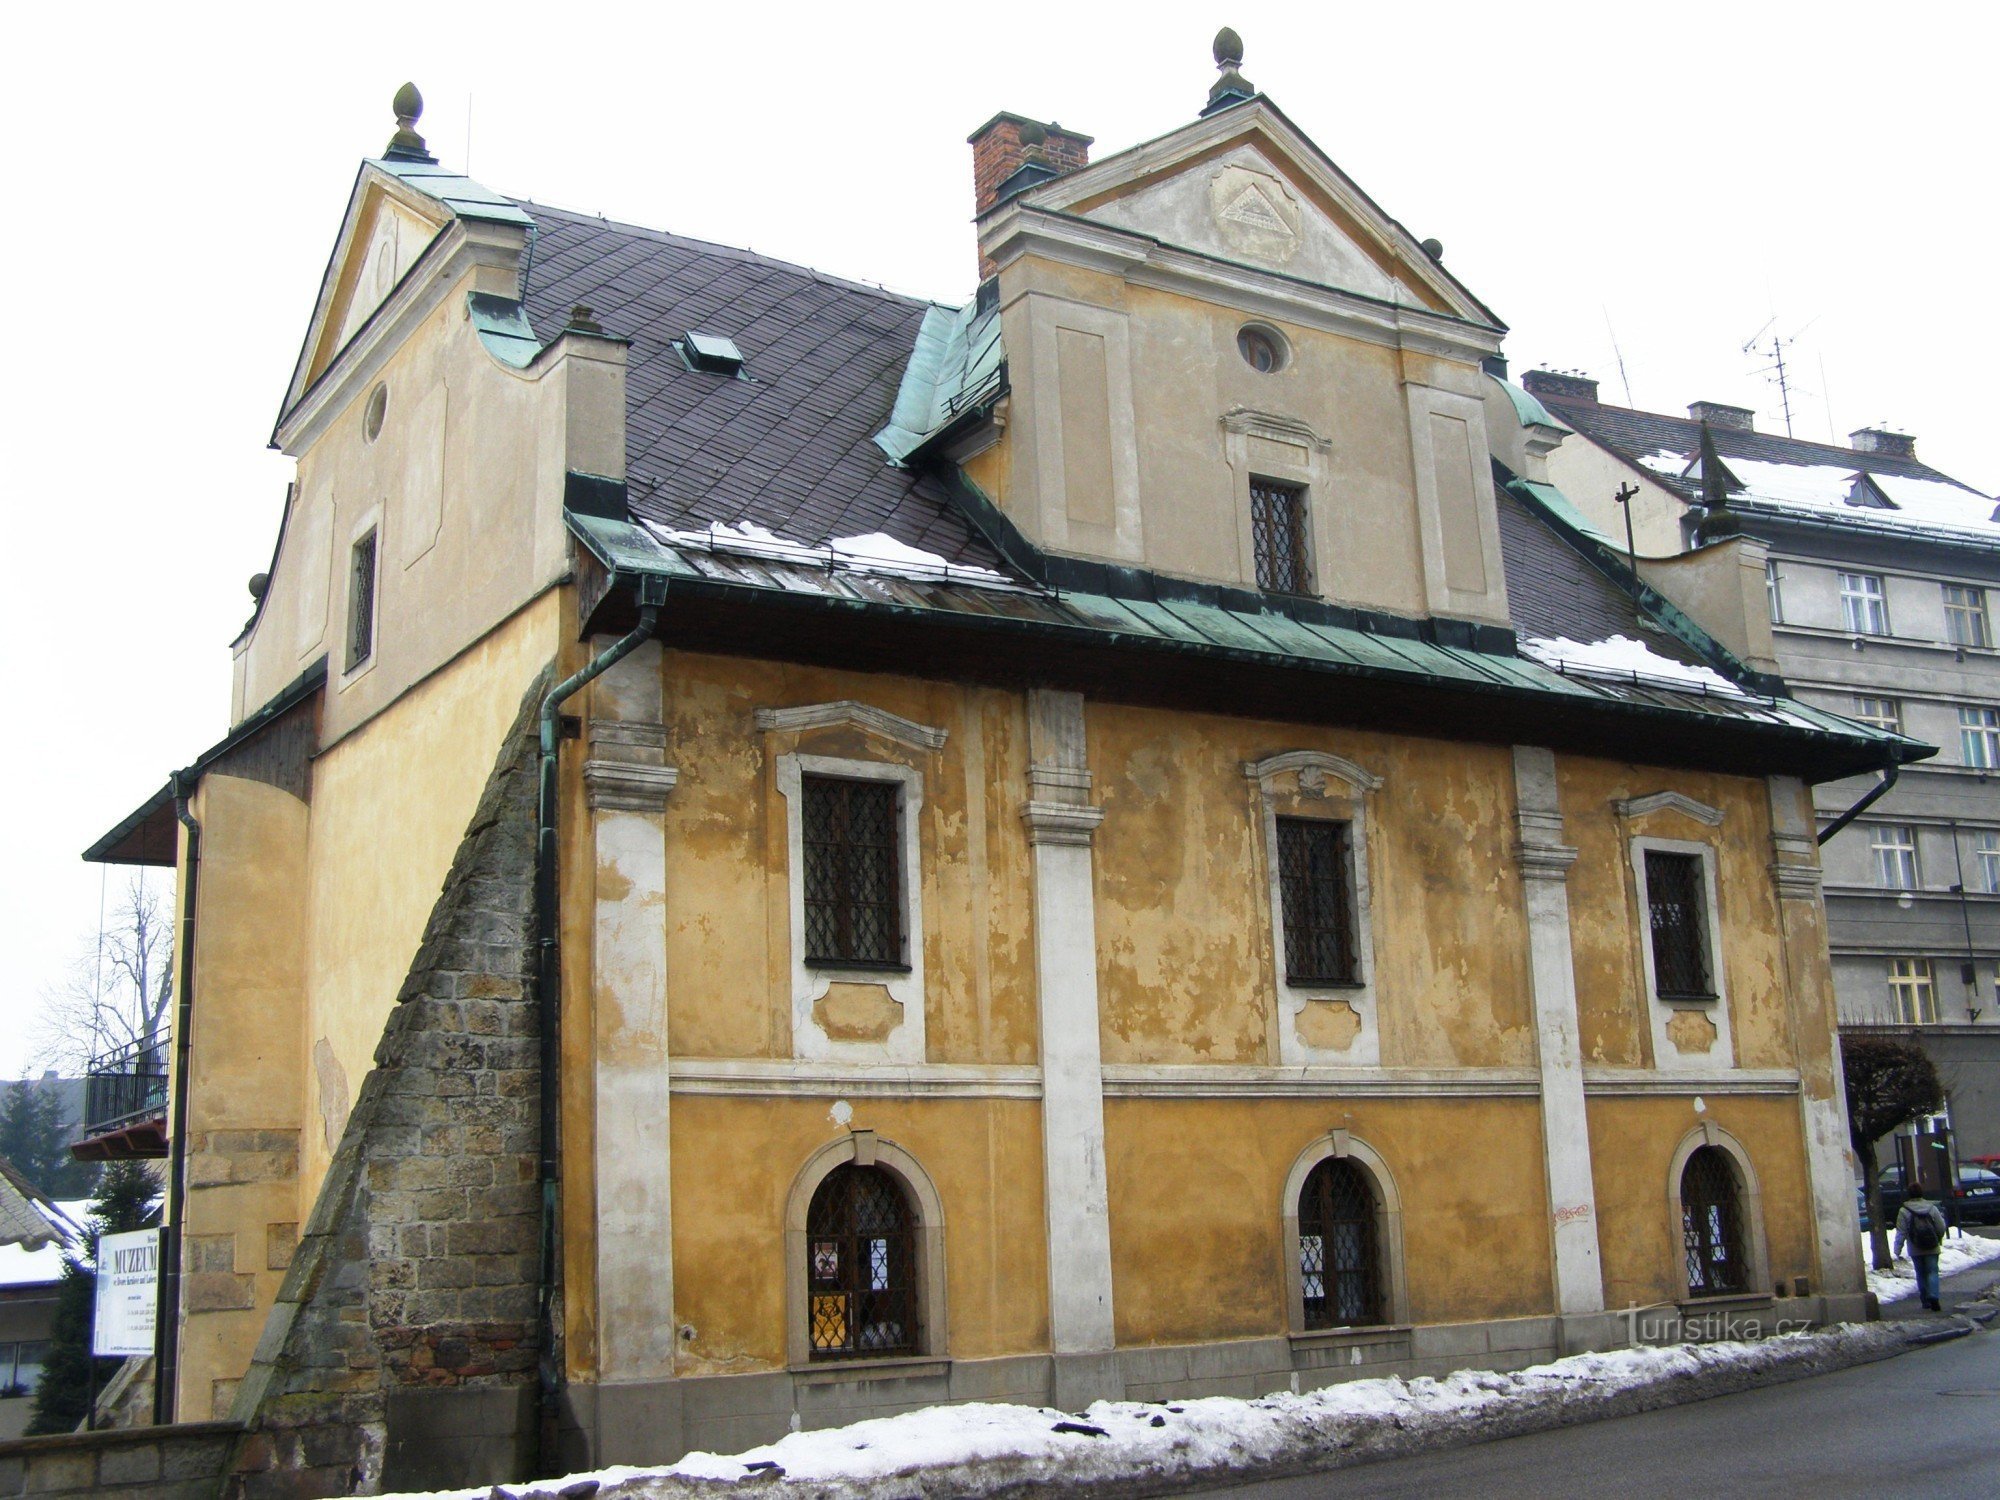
[166,1323]
[1874,794]
[548,1003]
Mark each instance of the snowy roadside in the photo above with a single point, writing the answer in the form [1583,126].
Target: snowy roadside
[1130,1448]
[1960,1252]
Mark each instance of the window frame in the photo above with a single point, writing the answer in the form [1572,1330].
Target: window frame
[811,980]
[1749,1201]
[1666,1052]
[863,1147]
[1986,859]
[1394,1291]
[1889,714]
[1979,736]
[1341,831]
[1912,981]
[898,935]
[1318,784]
[1774,590]
[1298,495]
[357,655]
[1879,847]
[1966,616]
[1868,591]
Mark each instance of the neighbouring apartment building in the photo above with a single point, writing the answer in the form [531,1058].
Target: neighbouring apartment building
[787,853]
[1881,576]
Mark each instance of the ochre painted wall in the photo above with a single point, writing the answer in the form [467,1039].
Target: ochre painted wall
[734,1164]
[1186,968]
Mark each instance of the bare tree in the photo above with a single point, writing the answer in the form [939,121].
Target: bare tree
[1889,1083]
[120,987]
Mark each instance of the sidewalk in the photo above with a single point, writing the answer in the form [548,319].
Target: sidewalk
[1897,1291]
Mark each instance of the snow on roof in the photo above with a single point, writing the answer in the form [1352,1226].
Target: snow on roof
[1828,488]
[872,552]
[1622,656]
[21,1265]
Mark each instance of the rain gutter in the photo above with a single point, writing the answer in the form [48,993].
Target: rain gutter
[1868,799]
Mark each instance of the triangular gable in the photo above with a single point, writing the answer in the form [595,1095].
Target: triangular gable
[1246,185]
[387,226]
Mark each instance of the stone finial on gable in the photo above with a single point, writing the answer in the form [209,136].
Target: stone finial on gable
[1232,87]
[406,144]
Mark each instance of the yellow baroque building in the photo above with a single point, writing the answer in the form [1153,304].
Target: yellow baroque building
[787,854]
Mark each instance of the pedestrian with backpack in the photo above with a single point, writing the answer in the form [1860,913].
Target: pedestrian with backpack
[1921,1226]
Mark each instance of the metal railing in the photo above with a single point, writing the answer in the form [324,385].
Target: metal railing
[125,1087]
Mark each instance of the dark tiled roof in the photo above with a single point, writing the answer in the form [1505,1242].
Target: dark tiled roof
[791,449]
[1635,434]
[1553,592]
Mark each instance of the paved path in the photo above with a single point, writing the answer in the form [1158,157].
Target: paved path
[1925,1424]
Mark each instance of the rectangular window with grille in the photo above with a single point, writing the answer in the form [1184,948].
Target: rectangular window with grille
[1862,604]
[853,886]
[1986,862]
[1883,713]
[1895,848]
[361,602]
[1315,886]
[1965,616]
[1278,535]
[1677,903]
[1911,988]
[1979,737]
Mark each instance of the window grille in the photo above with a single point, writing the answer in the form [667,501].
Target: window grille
[1340,1268]
[1315,892]
[1862,603]
[1677,899]
[1979,737]
[1278,535]
[1895,846]
[852,896]
[1986,861]
[1913,990]
[1883,713]
[1712,1225]
[361,603]
[1965,621]
[861,1267]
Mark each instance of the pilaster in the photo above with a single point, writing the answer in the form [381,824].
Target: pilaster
[627,782]
[1545,860]
[1061,823]
[1830,1171]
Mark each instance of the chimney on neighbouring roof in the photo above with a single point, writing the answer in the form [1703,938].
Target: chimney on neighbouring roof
[1007,144]
[1562,387]
[1880,440]
[1736,418]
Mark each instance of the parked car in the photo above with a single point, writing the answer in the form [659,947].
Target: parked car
[1976,1200]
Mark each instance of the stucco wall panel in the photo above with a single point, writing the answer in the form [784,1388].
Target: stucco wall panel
[734,1162]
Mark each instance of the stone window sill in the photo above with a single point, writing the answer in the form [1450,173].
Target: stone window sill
[908,1367]
[1340,1338]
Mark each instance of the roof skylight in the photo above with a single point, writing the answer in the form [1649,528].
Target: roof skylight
[711,351]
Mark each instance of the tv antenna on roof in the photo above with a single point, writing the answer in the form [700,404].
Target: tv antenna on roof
[1774,349]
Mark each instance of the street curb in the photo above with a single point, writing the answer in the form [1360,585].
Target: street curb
[1347,1441]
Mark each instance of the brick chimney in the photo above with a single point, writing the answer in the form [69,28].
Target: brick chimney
[1879,440]
[1562,387]
[1736,418]
[998,152]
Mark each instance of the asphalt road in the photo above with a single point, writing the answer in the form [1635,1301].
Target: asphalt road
[1926,1424]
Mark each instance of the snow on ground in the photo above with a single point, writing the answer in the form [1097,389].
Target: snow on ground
[1621,656]
[1960,1252]
[872,552]
[981,1449]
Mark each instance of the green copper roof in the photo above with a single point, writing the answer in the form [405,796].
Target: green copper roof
[460,194]
[1530,411]
[957,361]
[503,328]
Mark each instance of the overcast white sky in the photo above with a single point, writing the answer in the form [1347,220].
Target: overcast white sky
[1681,172]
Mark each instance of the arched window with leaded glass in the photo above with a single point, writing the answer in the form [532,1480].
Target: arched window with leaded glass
[1718,1260]
[1341,1275]
[862,1295]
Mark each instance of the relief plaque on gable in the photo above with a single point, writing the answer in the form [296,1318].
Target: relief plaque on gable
[1256,214]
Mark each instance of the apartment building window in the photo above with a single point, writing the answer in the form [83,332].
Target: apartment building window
[1278,536]
[1911,989]
[1979,737]
[1986,862]
[21,1367]
[1965,615]
[1774,588]
[853,887]
[1677,905]
[1862,604]
[1882,713]
[1895,846]
[1315,885]
[361,602]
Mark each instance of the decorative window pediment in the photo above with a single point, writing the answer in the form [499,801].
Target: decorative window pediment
[1313,767]
[846,711]
[1680,802]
